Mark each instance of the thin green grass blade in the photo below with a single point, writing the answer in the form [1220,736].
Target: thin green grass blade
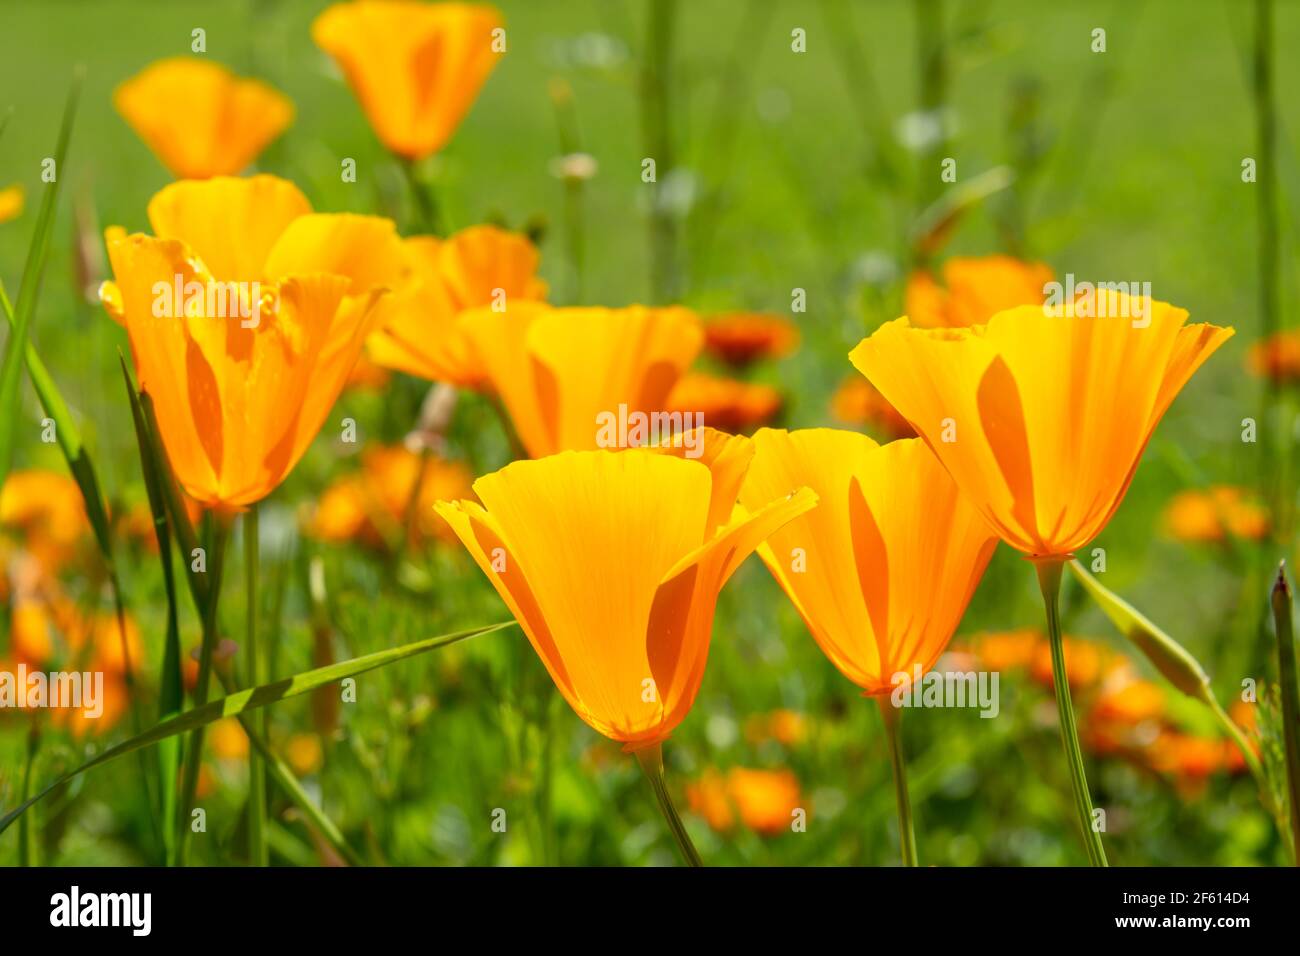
[1286,678]
[16,347]
[171,687]
[243,701]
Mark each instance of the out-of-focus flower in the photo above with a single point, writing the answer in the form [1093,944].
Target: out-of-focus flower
[1009,650]
[1216,514]
[1001,406]
[574,167]
[1085,662]
[739,338]
[229,742]
[31,633]
[200,119]
[303,753]
[973,291]
[416,68]
[786,727]
[1276,357]
[726,404]
[764,800]
[1130,701]
[246,315]
[612,563]
[857,402]
[882,569]
[582,378]
[46,507]
[416,330]
[367,376]
[11,203]
[371,506]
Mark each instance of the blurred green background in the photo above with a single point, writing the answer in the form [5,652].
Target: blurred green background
[1127,167]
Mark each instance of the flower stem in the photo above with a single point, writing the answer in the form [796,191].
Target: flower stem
[257,849]
[893,736]
[1286,677]
[194,747]
[652,762]
[1049,581]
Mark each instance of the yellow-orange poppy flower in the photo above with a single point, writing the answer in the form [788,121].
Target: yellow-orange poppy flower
[611,562]
[11,203]
[371,506]
[416,68]
[1216,514]
[583,378]
[857,402]
[739,338]
[199,118]
[765,800]
[881,571]
[246,313]
[47,508]
[417,331]
[726,404]
[786,727]
[1276,357]
[973,291]
[1040,419]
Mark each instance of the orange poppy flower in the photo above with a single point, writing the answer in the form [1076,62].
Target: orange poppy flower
[1003,406]
[1216,514]
[416,68]
[765,800]
[229,742]
[271,306]
[856,402]
[1085,662]
[371,506]
[726,404]
[739,338]
[882,570]
[582,378]
[11,203]
[976,290]
[47,507]
[612,562]
[1130,702]
[1276,357]
[786,727]
[200,119]
[1009,650]
[417,332]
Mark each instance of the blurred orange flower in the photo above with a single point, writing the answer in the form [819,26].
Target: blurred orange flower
[786,727]
[371,506]
[229,742]
[416,68]
[48,510]
[562,372]
[881,571]
[1276,357]
[856,402]
[246,359]
[726,404]
[612,562]
[1009,650]
[739,338]
[765,800]
[1000,405]
[11,203]
[417,332]
[977,289]
[1216,514]
[303,752]
[200,119]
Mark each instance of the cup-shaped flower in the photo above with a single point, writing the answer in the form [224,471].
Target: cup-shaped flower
[417,331]
[584,378]
[882,569]
[416,68]
[1041,418]
[199,118]
[246,311]
[612,562]
[974,290]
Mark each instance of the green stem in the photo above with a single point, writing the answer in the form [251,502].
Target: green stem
[257,849]
[1286,675]
[428,220]
[194,748]
[893,736]
[24,828]
[651,760]
[1049,581]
